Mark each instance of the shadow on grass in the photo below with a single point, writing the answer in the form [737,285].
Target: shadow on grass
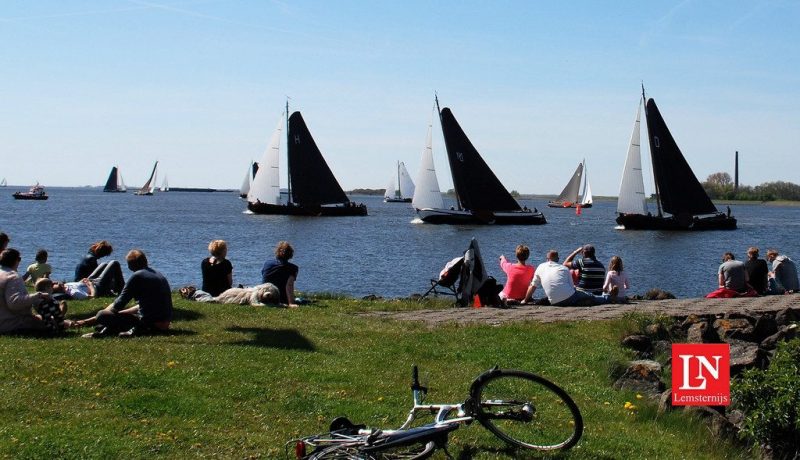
[469,452]
[285,339]
[182,314]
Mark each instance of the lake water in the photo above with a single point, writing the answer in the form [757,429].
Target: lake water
[383,254]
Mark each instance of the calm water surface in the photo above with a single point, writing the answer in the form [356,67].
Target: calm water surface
[384,254]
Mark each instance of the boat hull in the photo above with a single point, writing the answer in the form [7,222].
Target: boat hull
[673,223]
[299,210]
[143,193]
[397,200]
[26,196]
[558,204]
[115,191]
[456,217]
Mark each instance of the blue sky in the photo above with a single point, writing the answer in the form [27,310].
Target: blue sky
[199,86]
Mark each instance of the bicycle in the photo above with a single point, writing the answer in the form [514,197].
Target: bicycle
[521,408]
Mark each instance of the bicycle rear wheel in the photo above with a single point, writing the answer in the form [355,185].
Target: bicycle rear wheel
[526,410]
[418,451]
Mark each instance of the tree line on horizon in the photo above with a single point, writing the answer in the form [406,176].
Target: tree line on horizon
[720,186]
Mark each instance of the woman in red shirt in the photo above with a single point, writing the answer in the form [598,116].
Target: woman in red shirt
[519,275]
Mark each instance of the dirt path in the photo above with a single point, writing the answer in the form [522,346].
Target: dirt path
[674,307]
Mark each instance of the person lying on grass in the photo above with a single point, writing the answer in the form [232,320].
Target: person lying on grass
[152,314]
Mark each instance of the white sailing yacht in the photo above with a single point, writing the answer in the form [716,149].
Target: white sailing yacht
[401,187]
[427,194]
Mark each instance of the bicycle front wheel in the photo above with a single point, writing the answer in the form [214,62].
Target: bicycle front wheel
[526,410]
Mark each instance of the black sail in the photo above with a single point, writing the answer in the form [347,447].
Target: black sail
[111,183]
[477,187]
[679,190]
[312,181]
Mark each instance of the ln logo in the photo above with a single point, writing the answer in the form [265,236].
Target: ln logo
[701,374]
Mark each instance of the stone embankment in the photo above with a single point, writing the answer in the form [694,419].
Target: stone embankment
[670,307]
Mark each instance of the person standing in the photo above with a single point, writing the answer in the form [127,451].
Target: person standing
[217,270]
[518,275]
[757,271]
[591,273]
[281,272]
[16,304]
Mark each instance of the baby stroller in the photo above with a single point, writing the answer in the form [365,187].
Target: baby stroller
[465,276]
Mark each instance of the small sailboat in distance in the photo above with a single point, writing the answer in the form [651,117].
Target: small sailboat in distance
[570,196]
[401,187]
[3,183]
[164,185]
[150,186]
[682,202]
[480,196]
[115,184]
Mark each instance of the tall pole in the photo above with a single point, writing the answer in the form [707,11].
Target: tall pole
[736,174]
[652,159]
[288,167]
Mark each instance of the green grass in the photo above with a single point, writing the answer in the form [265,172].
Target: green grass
[239,382]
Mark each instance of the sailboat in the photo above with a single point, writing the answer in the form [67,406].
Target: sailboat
[568,198]
[313,189]
[682,202]
[249,175]
[481,197]
[150,186]
[3,183]
[427,194]
[164,185]
[115,184]
[401,187]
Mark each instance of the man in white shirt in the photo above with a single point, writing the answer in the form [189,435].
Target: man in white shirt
[78,290]
[556,280]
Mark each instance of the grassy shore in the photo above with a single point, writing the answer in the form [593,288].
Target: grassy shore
[238,382]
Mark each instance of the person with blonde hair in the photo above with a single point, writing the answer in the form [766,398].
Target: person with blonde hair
[281,272]
[217,270]
[88,264]
[518,275]
[783,277]
[616,276]
[16,303]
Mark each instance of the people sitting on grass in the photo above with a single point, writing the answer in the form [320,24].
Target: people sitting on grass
[282,273]
[733,280]
[153,312]
[617,277]
[38,269]
[519,275]
[52,313]
[88,263]
[266,294]
[105,280]
[16,304]
[757,271]
[591,273]
[783,277]
[217,270]
[556,281]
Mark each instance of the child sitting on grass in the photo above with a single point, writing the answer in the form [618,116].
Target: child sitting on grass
[51,313]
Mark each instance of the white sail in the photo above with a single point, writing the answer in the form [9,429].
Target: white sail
[244,190]
[266,185]
[391,189]
[587,188]
[632,199]
[154,179]
[3,183]
[165,185]
[121,183]
[406,184]
[427,194]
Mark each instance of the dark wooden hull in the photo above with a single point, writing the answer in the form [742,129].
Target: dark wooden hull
[299,210]
[397,200]
[456,217]
[672,223]
[115,191]
[27,196]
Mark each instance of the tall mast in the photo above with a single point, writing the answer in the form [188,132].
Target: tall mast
[455,190]
[399,192]
[652,160]
[288,171]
